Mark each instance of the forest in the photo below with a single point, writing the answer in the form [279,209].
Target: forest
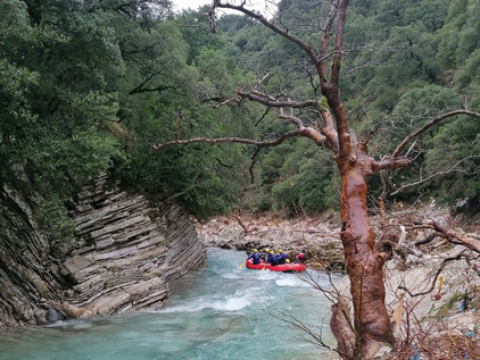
[89,87]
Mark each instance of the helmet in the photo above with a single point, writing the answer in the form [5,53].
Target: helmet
[267,250]
[279,251]
[272,252]
[254,250]
[287,261]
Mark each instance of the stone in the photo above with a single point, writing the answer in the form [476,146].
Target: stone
[383,353]
[53,316]
[40,316]
[76,264]
[463,322]
[411,261]
[27,315]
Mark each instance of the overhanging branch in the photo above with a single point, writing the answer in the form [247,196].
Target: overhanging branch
[223,140]
[444,229]
[304,46]
[390,164]
[439,271]
[430,124]
[439,173]
[270,101]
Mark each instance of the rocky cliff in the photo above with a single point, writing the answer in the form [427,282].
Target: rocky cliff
[126,252]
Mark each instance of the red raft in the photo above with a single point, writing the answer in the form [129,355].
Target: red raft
[290,267]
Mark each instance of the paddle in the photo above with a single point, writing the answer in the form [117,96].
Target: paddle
[241,265]
[440,282]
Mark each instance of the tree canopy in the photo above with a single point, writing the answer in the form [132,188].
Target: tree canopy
[88,86]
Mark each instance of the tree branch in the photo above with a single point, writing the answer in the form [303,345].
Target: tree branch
[439,173]
[270,101]
[307,48]
[428,239]
[246,141]
[245,227]
[340,31]
[254,160]
[322,66]
[390,164]
[141,89]
[439,271]
[330,132]
[444,229]
[430,124]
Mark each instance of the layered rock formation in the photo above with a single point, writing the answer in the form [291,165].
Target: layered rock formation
[125,253]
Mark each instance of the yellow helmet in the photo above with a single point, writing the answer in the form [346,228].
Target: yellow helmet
[272,252]
[287,261]
[267,250]
[254,250]
[279,251]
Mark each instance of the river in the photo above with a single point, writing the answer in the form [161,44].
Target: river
[222,312]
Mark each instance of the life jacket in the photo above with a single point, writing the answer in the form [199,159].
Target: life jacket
[300,258]
[282,258]
[256,258]
[272,259]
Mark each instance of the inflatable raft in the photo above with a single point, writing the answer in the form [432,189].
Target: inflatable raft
[290,267]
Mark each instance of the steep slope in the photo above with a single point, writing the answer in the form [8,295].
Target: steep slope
[126,251]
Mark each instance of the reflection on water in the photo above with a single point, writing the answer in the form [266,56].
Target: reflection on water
[220,313]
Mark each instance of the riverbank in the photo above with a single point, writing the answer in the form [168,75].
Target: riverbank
[221,312]
[318,237]
[427,308]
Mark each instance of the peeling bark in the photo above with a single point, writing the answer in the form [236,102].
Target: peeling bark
[363,262]
[341,327]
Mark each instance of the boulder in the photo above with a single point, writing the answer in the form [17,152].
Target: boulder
[53,316]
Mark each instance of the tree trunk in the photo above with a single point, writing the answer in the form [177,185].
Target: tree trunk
[364,264]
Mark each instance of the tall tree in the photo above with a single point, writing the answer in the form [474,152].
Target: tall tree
[323,119]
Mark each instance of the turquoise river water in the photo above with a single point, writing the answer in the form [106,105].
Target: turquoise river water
[223,312]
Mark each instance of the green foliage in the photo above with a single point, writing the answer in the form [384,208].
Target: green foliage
[407,83]
[455,21]
[271,164]
[309,185]
[261,204]
[459,139]
[444,310]
[469,74]
[417,106]
[198,36]
[53,219]
[86,87]
[57,107]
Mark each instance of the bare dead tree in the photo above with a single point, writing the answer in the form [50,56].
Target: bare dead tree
[244,226]
[364,262]
[340,315]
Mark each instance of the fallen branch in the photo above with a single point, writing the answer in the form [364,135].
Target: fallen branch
[240,222]
[440,269]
